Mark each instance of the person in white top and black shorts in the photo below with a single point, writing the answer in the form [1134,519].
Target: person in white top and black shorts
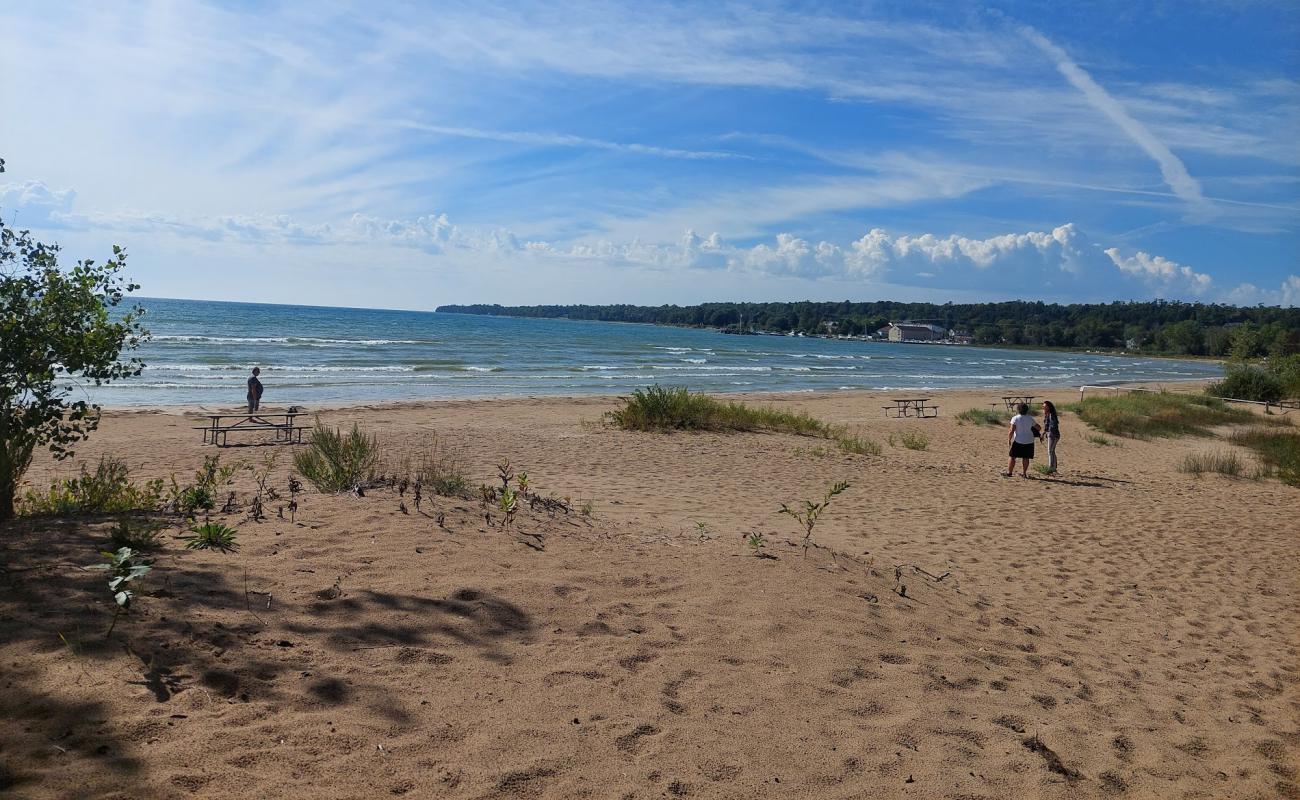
[1021,436]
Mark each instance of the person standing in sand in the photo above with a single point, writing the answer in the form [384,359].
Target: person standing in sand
[254,391]
[1051,434]
[1021,435]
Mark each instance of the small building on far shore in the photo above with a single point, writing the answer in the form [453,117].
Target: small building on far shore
[915,332]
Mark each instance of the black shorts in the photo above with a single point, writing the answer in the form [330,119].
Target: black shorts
[1019,450]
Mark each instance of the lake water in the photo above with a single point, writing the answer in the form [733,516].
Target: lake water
[201,353]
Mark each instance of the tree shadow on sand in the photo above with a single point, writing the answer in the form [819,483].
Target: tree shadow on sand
[68,691]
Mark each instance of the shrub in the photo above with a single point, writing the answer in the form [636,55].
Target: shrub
[1143,415]
[212,536]
[336,462]
[1222,462]
[1279,450]
[1248,382]
[108,490]
[981,416]
[125,567]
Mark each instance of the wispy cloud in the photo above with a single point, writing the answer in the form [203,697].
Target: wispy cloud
[551,139]
[1171,167]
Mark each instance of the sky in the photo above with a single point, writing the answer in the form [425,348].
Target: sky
[408,155]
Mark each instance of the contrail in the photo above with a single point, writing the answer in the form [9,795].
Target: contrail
[1171,167]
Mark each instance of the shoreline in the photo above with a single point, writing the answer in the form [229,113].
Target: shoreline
[1039,389]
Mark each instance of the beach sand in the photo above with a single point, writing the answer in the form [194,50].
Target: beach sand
[1122,630]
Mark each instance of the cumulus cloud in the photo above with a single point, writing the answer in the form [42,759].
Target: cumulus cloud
[1160,272]
[35,202]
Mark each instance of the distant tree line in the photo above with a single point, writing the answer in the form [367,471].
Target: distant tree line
[1157,327]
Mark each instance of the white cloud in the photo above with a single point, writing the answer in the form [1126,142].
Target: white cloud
[36,202]
[1160,272]
[1171,167]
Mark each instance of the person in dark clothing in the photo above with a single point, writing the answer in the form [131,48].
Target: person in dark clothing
[1051,434]
[254,391]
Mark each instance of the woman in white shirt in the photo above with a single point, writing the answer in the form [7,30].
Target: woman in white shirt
[1021,436]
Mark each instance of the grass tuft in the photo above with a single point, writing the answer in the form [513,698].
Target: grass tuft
[1278,450]
[981,416]
[335,461]
[1220,462]
[1102,441]
[912,440]
[859,445]
[1142,415]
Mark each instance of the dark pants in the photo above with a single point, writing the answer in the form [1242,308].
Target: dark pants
[253,402]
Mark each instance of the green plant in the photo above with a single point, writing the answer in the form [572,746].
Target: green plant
[59,332]
[807,515]
[756,542]
[135,534]
[587,509]
[107,490]
[1248,382]
[1101,441]
[660,408]
[1042,469]
[1143,415]
[1278,450]
[1222,462]
[981,416]
[212,536]
[912,440]
[508,502]
[337,462]
[858,445]
[124,569]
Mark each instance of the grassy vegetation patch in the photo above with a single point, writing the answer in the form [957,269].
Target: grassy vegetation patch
[912,440]
[1278,450]
[664,408]
[981,416]
[1143,415]
[670,408]
[1101,441]
[107,490]
[338,461]
[1222,462]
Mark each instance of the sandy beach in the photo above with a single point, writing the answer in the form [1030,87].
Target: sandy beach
[1120,630]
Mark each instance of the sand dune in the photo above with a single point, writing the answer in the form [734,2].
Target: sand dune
[1125,630]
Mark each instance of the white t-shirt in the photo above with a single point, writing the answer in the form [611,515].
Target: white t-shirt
[1024,425]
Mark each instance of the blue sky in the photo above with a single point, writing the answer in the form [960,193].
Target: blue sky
[414,154]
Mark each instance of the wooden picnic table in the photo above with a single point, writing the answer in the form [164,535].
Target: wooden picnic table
[1013,400]
[283,425]
[911,407]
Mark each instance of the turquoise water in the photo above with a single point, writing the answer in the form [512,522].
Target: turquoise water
[201,353]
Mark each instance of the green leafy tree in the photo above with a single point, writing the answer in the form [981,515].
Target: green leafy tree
[59,333]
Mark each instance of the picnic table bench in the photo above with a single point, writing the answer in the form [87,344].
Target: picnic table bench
[911,407]
[1013,400]
[283,425]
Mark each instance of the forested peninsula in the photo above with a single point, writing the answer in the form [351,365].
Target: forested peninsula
[1157,327]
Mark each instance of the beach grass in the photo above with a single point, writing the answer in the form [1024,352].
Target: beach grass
[981,416]
[1278,450]
[912,440]
[335,461]
[1141,415]
[674,408]
[664,408]
[1101,441]
[1222,462]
